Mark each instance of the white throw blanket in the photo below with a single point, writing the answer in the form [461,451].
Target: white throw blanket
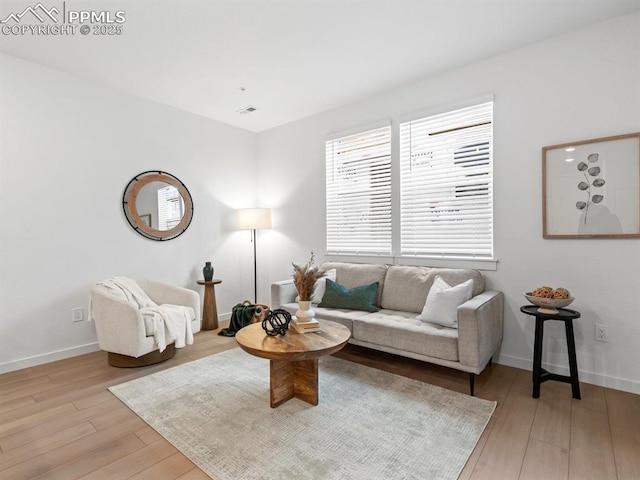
[171,323]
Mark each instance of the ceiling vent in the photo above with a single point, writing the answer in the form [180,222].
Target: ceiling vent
[247,110]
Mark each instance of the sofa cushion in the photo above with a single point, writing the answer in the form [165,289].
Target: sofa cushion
[403,331]
[443,301]
[406,288]
[342,316]
[455,276]
[355,274]
[362,297]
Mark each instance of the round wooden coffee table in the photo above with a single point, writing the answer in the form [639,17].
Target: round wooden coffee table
[293,357]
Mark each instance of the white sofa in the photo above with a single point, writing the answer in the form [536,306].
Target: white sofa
[402,294]
[125,334]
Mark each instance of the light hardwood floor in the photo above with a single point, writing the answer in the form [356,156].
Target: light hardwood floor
[59,421]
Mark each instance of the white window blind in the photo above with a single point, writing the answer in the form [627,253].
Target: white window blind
[359,193]
[446,184]
[170,207]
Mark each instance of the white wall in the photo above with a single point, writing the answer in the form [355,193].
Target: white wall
[582,85]
[68,149]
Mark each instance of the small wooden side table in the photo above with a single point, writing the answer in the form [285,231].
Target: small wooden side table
[540,374]
[210,309]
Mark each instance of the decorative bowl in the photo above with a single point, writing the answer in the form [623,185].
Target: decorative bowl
[548,305]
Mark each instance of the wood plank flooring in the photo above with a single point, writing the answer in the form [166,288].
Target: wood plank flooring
[59,421]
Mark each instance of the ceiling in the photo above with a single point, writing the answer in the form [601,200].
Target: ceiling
[292,58]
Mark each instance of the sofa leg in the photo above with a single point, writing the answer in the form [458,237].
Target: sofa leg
[472,378]
[490,361]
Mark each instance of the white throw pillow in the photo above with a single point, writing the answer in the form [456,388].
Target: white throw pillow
[320,286]
[443,301]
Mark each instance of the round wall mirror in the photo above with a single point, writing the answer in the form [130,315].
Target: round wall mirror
[157,205]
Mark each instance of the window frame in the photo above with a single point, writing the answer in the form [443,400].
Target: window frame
[379,207]
[458,210]
[487,263]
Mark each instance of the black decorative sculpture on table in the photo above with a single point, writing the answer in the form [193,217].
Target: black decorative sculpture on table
[276,322]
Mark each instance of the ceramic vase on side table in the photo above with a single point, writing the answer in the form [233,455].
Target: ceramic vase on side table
[207,271]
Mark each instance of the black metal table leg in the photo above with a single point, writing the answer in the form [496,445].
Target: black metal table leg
[573,364]
[537,356]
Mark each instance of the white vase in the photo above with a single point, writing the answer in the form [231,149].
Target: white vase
[305,313]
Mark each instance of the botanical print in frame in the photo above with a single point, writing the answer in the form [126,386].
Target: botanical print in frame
[591,188]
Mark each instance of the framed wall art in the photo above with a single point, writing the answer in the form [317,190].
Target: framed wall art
[591,188]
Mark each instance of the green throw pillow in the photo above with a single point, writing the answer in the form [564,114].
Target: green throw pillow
[357,298]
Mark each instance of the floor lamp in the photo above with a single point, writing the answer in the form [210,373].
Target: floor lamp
[254,219]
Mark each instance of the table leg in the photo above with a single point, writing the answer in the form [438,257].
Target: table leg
[573,364]
[305,382]
[210,309]
[537,357]
[297,379]
[281,379]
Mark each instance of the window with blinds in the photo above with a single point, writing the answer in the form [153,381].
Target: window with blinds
[359,193]
[446,191]
[170,207]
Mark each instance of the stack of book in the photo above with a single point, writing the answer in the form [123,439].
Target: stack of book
[305,327]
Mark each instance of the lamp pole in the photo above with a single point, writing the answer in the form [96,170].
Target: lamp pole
[255,269]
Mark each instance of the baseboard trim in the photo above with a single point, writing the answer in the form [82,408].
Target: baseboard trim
[616,383]
[48,357]
[61,354]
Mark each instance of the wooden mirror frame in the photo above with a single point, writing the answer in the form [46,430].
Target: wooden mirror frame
[133,216]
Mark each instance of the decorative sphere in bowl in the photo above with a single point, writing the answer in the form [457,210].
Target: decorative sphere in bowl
[548,305]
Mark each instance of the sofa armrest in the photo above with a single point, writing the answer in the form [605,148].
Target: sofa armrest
[480,325]
[282,292]
[161,293]
[119,325]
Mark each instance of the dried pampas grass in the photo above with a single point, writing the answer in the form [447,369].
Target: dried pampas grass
[304,278]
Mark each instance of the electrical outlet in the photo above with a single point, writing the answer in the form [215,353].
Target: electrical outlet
[602,333]
[77,314]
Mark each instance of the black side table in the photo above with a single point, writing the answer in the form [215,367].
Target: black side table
[540,374]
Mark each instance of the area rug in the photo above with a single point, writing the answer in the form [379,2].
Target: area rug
[369,424]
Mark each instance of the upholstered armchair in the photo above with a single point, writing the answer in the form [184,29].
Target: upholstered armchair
[133,335]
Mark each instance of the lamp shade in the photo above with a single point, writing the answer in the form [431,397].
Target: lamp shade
[254,218]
